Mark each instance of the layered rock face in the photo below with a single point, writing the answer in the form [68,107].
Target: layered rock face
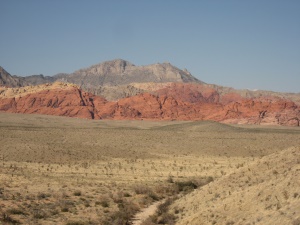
[176,101]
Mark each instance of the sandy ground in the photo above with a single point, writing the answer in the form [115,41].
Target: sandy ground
[56,170]
[265,191]
[145,213]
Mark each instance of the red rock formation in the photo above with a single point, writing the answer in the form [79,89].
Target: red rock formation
[176,102]
[69,102]
[190,92]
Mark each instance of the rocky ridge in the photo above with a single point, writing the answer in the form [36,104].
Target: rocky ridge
[7,80]
[117,79]
[121,72]
[176,102]
[168,94]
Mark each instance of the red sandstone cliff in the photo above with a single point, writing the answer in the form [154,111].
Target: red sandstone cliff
[174,102]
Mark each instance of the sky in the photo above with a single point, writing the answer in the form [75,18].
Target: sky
[253,44]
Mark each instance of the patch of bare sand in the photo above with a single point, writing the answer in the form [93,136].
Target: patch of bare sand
[146,213]
[265,191]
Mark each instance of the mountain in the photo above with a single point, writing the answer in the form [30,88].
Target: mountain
[121,72]
[120,90]
[8,80]
[178,101]
[232,93]
[117,79]
[112,79]
[39,79]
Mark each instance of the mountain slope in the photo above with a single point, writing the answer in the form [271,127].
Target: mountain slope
[117,79]
[248,196]
[39,79]
[10,81]
[51,99]
[121,72]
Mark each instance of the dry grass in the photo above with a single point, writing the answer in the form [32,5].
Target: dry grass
[263,192]
[57,170]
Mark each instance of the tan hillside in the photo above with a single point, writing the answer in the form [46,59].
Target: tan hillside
[265,191]
[22,91]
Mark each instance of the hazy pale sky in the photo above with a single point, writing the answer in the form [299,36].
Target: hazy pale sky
[252,44]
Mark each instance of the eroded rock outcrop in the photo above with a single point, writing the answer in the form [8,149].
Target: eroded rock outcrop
[172,102]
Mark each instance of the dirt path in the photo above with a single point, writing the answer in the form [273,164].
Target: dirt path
[145,213]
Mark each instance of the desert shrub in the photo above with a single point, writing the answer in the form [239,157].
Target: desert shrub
[39,214]
[153,195]
[141,189]
[129,207]
[104,204]
[7,219]
[53,212]
[16,211]
[119,218]
[118,200]
[170,179]
[64,209]
[77,193]
[185,186]
[66,205]
[162,216]
[148,221]
[75,223]
[166,218]
[81,223]
[162,208]
[127,195]
[176,210]
[123,215]
[42,195]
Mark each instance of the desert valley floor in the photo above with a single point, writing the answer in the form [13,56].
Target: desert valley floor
[58,170]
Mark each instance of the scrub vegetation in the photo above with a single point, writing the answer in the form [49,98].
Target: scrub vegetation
[57,170]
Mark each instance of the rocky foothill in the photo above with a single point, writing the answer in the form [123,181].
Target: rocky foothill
[155,92]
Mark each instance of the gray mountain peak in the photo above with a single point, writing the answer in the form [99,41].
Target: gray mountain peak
[122,72]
